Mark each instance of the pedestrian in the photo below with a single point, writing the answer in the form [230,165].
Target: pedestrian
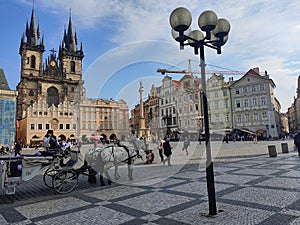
[50,138]
[161,149]
[150,157]
[254,139]
[18,148]
[297,142]
[167,151]
[186,145]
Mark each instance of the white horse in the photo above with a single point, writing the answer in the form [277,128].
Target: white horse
[103,157]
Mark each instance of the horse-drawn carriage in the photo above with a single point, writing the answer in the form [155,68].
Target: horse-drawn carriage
[61,168]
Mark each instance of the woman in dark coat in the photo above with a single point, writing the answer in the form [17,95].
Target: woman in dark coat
[167,151]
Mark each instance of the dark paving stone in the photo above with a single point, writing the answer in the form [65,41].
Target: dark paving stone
[11,215]
[250,205]
[126,210]
[62,213]
[167,221]
[136,221]
[295,205]
[180,207]
[278,219]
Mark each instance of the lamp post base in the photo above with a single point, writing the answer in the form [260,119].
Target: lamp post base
[211,189]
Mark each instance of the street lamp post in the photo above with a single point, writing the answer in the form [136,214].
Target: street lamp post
[216,34]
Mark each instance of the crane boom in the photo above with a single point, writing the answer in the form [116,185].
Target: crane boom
[191,72]
[164,71]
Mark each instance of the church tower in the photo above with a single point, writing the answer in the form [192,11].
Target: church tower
[69,56]
[31,51]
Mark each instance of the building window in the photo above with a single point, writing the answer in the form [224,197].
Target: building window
[237,91]
[191,108]
[255,116]
[68,126]
[253,88]
[225,93]
[74,126]
[31,93]
[254,102]
[262,87]
[61,126]
[40,126]
[32,62]
[191,97]
[47,126]
[263,101]
[264,115]
[32,126]
[196,95]
[227,117]
[216,105]
[225,104]
[52,96]
[246,102]
[238,103]
[246,117]
[239,118]
[244,90]
[196,107]
[72,69]
[216,94]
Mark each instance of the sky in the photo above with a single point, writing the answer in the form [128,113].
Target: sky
[127,41]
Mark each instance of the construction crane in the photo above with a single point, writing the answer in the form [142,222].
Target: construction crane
[191,72]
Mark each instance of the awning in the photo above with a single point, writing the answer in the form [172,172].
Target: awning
[247,131]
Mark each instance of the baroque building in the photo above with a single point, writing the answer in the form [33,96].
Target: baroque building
[219,108]
[254,105]
[8,102]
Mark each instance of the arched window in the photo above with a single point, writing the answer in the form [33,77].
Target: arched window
[52,96]
[32,61]
[31,93]
[72,67]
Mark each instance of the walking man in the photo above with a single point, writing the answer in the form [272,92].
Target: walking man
[297,142]
[167,151]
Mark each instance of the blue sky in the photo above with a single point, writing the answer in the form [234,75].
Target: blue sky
[126,41]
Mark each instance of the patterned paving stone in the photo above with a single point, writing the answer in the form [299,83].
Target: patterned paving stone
[235,178]
[262,196]
[50,207]
[260,190]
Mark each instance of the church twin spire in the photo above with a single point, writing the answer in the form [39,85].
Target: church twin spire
[32,35]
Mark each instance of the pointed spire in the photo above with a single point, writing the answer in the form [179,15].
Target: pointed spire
[43,41]
[38,31]
[81,48]
[69,38]
[75,38]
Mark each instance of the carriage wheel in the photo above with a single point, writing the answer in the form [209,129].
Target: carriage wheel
[48,176]
[65,181]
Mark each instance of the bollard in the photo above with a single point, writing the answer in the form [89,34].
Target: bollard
[272,150]
[284,148]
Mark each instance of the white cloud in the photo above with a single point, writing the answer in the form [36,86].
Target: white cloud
[264,32]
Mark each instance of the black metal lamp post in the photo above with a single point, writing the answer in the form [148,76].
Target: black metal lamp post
[216,31]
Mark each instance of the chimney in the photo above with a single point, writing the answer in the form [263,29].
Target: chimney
[256,69]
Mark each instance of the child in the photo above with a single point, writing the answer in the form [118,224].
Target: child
[150,157]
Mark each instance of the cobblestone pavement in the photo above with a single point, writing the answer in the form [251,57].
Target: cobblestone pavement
[251,188]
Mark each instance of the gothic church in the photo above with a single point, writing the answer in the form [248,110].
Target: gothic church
[47,91]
